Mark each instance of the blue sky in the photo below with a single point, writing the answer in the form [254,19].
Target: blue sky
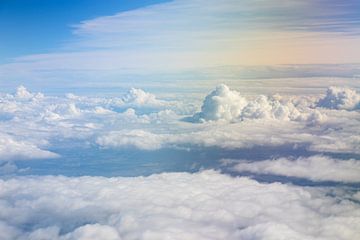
[88,42]
[40,26]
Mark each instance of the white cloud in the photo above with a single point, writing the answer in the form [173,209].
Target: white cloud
[93,232]
[340,98]
[315,168]
[11,149]
[235,122]
[229,105]
[139,97]
[222,103]
[133,138]
[205,205]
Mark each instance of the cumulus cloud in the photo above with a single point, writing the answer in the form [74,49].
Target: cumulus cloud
[23,93]
[222,103]
[205,205]
[139,97]
[340,98]
[11,149]
[229,105]
[315,168]
[229,121]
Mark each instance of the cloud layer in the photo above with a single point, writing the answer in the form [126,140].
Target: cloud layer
[206,205]
[315,168]
[139,119]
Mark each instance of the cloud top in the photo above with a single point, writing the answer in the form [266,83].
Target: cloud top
[201,206]
[340,98]
[224,104]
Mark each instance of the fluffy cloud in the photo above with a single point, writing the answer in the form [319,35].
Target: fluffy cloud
[315,168]
[229,105]
[340,98]
[93,232]
[222,103]
[11,149]
[134,138]
[23,93]
[229,121]
[205,205]
[139,97]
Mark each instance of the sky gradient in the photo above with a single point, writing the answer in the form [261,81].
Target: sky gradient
[44,40]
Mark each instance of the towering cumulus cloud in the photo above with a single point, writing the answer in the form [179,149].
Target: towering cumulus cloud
[222,103]
[340,98]
[228,105]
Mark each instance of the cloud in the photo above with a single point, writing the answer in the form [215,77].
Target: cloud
[229,105]
[205,205]
[93,232]
[133,138]
[139,97]
[340,98]
[11,149]
[315,168]
[138,119]
[222,103]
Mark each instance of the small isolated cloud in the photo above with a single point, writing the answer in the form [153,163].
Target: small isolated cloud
[200,206]
[228,105]
[315,168]
[340,98]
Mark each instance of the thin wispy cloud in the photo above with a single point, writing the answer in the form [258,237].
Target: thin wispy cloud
[183,34]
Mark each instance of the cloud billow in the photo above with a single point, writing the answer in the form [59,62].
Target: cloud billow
[228,105]
[340,98]
[205,205]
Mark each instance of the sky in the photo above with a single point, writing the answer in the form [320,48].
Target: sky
[51,40]
[183,119]
[38,26]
